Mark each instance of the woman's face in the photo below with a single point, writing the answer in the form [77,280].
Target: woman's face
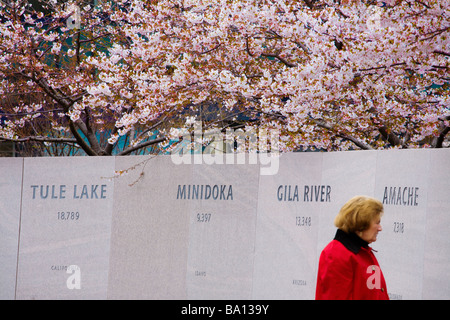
[370,234]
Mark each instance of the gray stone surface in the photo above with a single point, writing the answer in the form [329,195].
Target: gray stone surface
[401,184]
[10,198]
[198,231]
[349,173]
[150,228]
[436,278]
[66,221]
[222,231]
[287,225]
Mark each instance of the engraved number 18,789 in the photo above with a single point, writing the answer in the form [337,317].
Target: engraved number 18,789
[69,215]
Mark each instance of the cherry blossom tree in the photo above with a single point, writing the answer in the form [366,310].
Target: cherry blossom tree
[329,75]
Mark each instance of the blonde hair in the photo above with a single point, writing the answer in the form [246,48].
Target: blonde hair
[358,213]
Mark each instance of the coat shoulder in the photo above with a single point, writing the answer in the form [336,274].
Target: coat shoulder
[336,249]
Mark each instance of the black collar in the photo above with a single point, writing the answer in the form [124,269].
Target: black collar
[350,240]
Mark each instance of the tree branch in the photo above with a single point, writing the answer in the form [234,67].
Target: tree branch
[309,4]
[90,135]
[270,55]
[21,114]
[110,146]
[86,148]
[282,60]
[441,137]
[210,50]
[63,102]
[444,130]
[41,139]
[140,146]
[390,137]
[93,39]
[442,52]
[77,48]
[66,103]
[383,67]
[323,124]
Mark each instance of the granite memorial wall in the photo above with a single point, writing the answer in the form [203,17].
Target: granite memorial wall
[148,227]
[10,199]
[65,228]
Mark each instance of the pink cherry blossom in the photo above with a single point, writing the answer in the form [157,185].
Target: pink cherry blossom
[326,74]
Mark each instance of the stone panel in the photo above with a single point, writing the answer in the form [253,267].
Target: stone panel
[222,219]
[350,173]
[436,278]
[287,226]
[150,229]
[402,186]
[65,228]
[10,198]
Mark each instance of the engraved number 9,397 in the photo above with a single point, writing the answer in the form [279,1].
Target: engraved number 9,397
[203,217]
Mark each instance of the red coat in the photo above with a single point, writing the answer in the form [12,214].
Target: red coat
[348,270]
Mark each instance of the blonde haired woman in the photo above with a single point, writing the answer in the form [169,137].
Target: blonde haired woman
[348,269]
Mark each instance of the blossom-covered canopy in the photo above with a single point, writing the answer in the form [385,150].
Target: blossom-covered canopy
[332,75]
